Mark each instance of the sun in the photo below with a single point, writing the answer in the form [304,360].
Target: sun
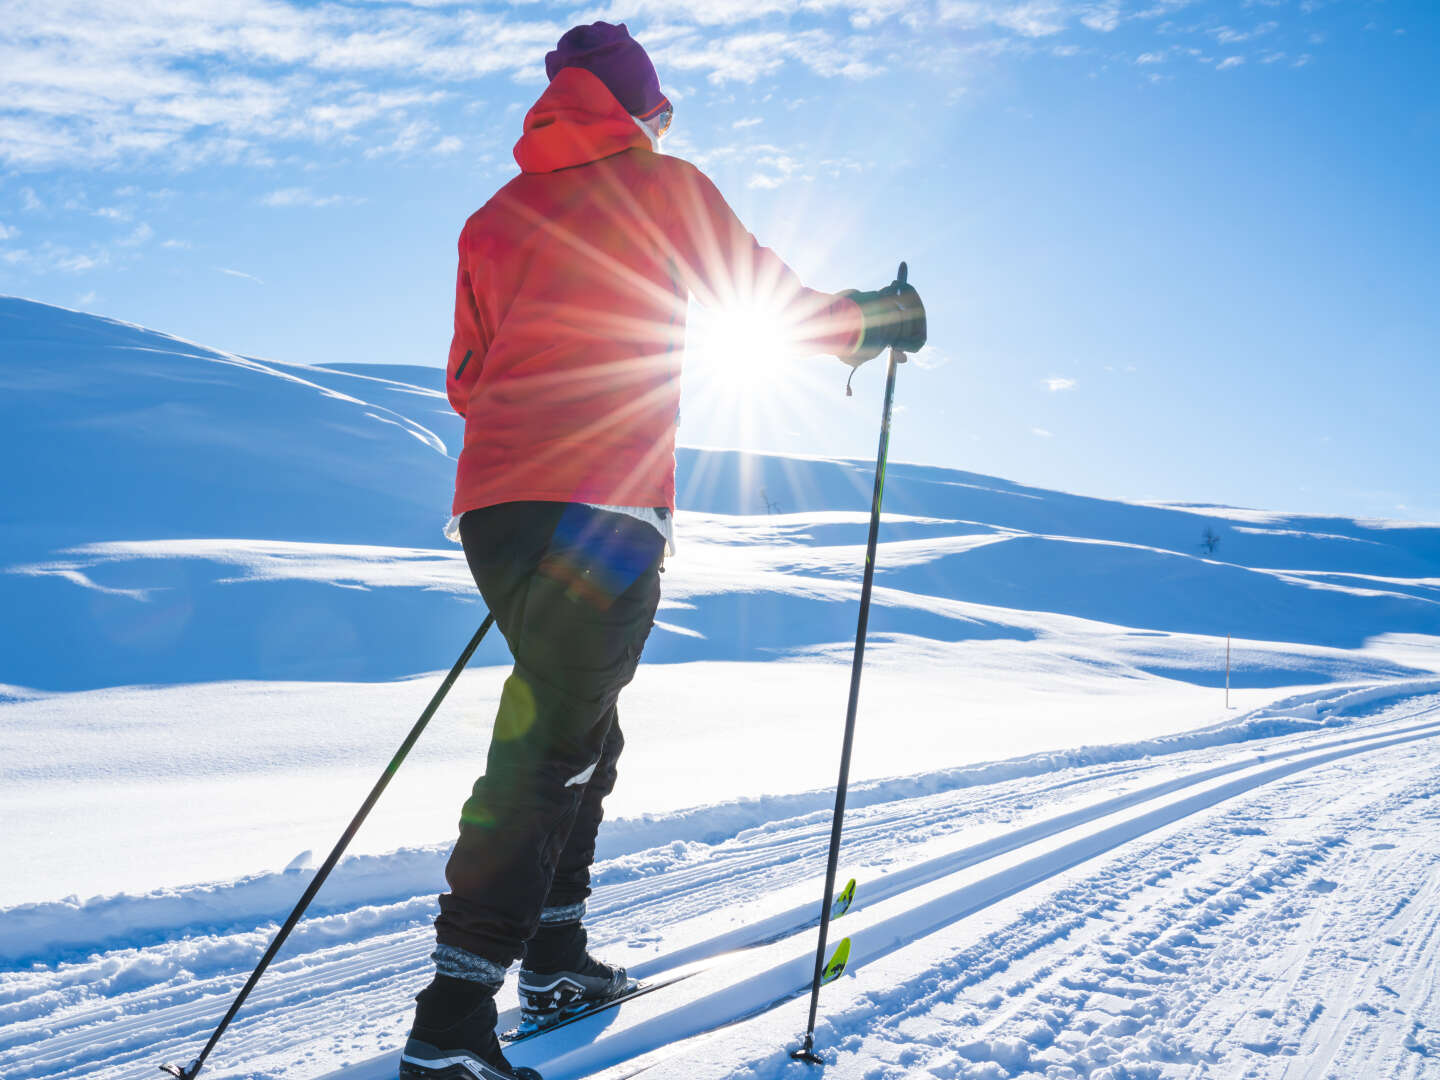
[742,345]
[749,385]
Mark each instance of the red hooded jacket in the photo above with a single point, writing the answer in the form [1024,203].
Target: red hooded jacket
[570,308]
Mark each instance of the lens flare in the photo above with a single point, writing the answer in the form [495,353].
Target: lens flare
[746,346]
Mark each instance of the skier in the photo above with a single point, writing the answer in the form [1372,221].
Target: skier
[565,363]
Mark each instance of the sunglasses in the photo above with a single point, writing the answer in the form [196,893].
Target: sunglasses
[662,119]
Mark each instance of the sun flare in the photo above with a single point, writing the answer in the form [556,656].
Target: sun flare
[751,388]
[741,345]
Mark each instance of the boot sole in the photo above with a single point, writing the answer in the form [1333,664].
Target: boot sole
[434,1064]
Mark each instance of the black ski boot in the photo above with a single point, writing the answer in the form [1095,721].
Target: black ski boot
[453,1037]
[560,978]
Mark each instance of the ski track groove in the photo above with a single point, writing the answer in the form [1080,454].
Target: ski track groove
[405,955]
[984,961]
[1125,942]
[133,1030]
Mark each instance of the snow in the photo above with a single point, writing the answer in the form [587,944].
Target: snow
[228,598]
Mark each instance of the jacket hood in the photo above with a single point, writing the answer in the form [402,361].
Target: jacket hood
[577,120]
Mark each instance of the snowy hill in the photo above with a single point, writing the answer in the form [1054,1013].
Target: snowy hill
[226,592]
[185,514]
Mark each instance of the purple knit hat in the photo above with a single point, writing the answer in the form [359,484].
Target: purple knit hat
[610,53]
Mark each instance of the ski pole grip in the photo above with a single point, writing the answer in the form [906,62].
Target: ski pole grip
[911,330]
[902,276]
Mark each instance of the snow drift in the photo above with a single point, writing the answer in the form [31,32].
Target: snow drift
[177,513]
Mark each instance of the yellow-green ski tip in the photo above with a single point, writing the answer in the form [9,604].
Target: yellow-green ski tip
[838,959]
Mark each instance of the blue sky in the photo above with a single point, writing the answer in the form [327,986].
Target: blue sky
[1171,249]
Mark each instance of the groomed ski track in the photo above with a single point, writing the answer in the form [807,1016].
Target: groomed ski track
[974,848]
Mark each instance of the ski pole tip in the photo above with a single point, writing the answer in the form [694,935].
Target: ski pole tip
[806,1053]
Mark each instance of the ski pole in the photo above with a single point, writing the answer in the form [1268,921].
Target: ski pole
[334,856]
[807,1051]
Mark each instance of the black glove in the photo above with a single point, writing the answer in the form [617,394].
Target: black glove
[894,316]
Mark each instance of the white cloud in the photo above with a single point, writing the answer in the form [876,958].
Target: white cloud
[1230,62]
[7,232]
[86,299]
[176,244]
[239,274]
[1029,18]
[747,121]
[89,84]
[929,358]
[195,83]
[51,257]
[190,83]
[1040,432]
[668,14]
[139,235]
[774,169]
[1103,17]
[1059,382]
[78,263]
[360,107]
[407,141]
[743,58]
[746,57]
[769,166]
[1160,9]
[841,166]
[303,196]
[1227,36]
[29,201]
